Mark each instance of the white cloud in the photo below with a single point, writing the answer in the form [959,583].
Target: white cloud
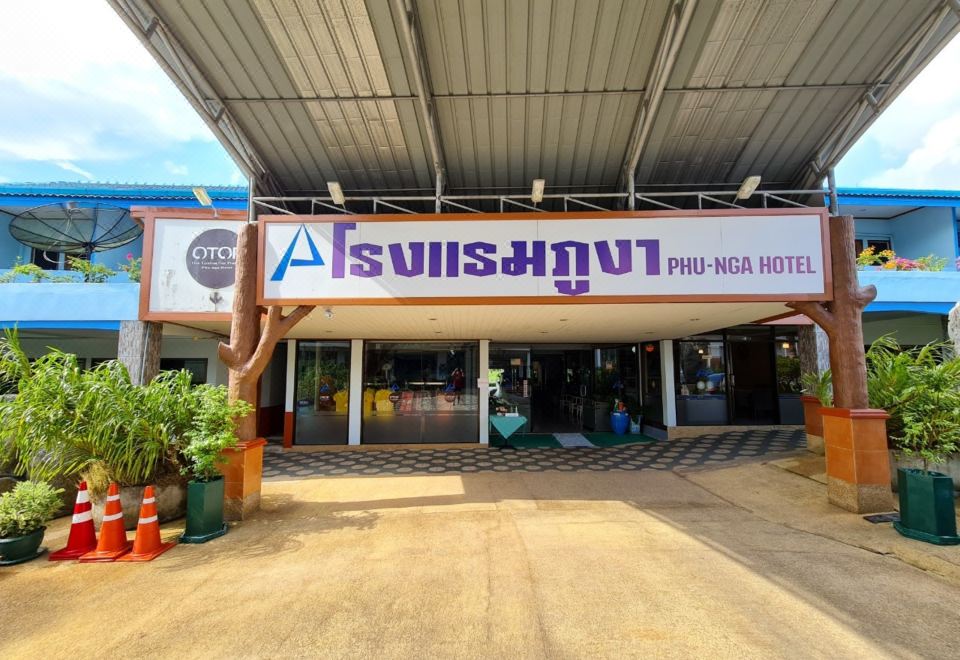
[176,168]
[933,164]
[4,179]
[237,178]
[915,143]
[78,85]
[70,167]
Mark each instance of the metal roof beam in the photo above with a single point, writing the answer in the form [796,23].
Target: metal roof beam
[536,95]
[678,20]
[901,69]
[418,62]
[146,24]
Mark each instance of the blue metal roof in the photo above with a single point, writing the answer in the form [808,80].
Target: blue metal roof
[895,196]
[121,194]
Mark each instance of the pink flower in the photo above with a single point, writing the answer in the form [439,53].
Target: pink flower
[129,256]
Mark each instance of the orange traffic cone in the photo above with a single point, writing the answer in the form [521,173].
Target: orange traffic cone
[147,544]
[82,537]
[113,539]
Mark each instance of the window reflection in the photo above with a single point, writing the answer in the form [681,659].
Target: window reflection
[323,392]
[420,392]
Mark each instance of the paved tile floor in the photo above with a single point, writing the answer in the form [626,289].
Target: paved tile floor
[708,449]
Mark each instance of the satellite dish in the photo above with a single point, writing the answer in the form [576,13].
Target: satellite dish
[78,228]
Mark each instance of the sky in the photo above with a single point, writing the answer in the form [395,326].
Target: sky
[84,101]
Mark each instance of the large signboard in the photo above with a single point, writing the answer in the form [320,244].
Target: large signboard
[554,258]
[189,264]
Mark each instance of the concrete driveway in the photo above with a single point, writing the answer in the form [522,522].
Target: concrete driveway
[499,564]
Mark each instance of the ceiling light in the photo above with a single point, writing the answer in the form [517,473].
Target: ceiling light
[336,192]
[202,196]
[536,194]
[785,345]
[328,312]
[748,186]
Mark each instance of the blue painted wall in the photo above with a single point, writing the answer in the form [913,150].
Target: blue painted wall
[929,230]
[24,196]
[66,305]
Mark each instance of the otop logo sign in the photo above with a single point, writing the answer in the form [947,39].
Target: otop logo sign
[212,258]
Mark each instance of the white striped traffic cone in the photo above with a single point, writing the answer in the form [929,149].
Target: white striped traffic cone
[83,537]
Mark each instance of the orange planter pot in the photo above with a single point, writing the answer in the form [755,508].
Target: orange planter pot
[812,419]
[813,422]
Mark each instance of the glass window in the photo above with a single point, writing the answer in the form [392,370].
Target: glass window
[420,392]
[652,382]
[702,368]
[45,259]
[196,366]
[322,393]
[788,363]
[878,245]
[701,382]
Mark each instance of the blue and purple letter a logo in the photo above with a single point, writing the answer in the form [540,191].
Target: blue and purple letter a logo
[289,262]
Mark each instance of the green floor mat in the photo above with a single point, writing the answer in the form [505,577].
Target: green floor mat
[608,439]
[533,440]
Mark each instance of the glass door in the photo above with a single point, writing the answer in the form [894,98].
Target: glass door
[323,392]
[753,381]
[420,393]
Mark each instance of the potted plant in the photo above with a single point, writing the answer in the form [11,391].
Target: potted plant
[211,433]
[68,423]
[24,512]
[930,413]
[619,417]
[817,394]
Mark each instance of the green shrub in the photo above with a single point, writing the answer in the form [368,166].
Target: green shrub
[33,272]
[211,431]
[65,420]
[27,508]
[91,272]
[930,413]
[820,386]
[920,389]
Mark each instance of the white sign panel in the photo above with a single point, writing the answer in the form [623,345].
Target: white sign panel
[192,266]
[567,259]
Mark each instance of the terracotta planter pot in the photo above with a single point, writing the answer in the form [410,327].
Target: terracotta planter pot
[813,423]
[171,504]
[812,419]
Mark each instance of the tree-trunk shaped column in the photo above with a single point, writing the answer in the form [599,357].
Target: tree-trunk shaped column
[247,355]
[855,437]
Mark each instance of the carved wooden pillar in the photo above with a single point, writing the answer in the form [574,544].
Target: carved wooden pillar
[247,355]
[855,439]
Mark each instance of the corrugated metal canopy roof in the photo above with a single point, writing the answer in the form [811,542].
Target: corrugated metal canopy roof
[308,91]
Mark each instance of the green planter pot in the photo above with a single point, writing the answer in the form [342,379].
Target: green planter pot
[19,549]
[927,509]
[204,511]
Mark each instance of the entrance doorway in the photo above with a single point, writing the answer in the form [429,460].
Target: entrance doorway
[752,382]
[562,389]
